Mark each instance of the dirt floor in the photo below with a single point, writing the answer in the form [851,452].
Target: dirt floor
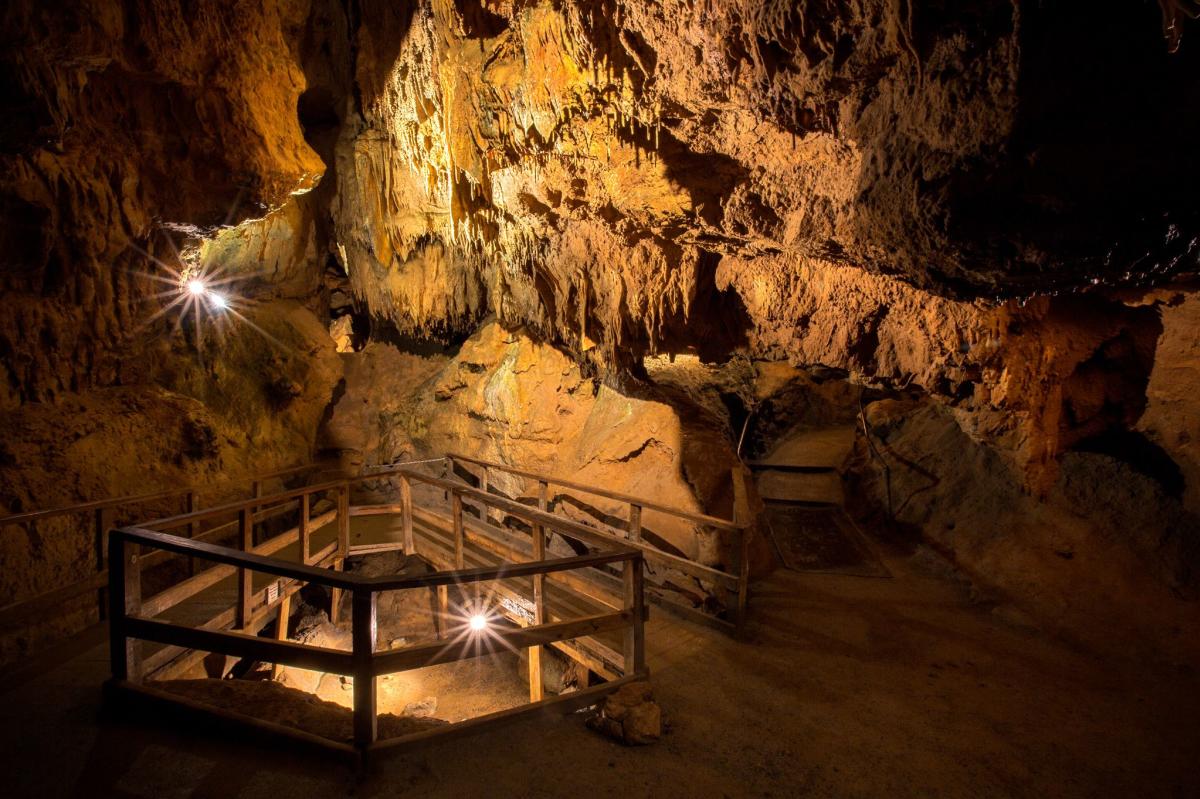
[851,687]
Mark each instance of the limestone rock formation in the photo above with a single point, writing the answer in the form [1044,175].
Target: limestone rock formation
[514,214]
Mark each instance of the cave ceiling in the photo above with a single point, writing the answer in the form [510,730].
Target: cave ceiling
[622,178]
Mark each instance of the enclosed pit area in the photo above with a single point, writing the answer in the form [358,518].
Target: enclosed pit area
[599,398]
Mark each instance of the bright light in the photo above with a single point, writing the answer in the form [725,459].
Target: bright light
[479,622]
[196,287]
[218,301]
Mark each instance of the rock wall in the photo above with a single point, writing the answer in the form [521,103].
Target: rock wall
[989,203]
[508,398]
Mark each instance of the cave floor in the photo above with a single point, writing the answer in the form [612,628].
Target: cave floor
[852,687]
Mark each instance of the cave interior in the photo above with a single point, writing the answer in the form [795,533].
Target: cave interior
[800,395]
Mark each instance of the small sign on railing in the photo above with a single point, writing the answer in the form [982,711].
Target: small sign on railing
[273,592]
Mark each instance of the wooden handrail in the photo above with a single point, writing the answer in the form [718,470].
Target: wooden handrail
[697,518]
[133,499]
[129,626]
[575,529]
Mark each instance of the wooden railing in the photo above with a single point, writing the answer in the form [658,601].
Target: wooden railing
[100,518]
[734,582]
[132,617]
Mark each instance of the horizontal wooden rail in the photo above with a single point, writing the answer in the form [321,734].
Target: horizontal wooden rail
[234,557]
[137,499]
[289,653]
[432,654]
[691,516]
[130,625]
[573,529]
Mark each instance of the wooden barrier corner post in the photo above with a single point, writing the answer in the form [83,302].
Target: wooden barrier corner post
[104,522]
[456,516]
[363,645]
[245,586]
[125,599]
[635,522]
[635,603]
[192,505]
[343,547]
[281,626]
[406,517]
[302,529]
[741,516]
[536,673]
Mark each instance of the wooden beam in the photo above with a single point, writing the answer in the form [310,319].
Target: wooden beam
[406,515]
[564,703]
[536,673]
[697,518]
[239,644]
[245,578]
[281,626]
[456,519]
[635,522]
[635,636]
[415,657]
[581,532]
[124,598]
[363,645]
[169,597]
[303,528]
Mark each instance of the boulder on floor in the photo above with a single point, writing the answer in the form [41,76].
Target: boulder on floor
[630,715]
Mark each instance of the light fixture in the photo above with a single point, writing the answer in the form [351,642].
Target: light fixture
[478,622]
[218,301]
[196,287]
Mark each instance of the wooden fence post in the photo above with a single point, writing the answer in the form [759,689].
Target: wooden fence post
[125,599]
[741,516]
[281,626]
[343,548]
[245,577]
[257,489]
[406,515]
[456,515]
[635,522]
[305,534]
[104,523]
[193,528]
[363,645]
[536,679]
[635,633]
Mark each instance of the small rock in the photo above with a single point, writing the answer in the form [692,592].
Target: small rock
[630,715]
[423,709]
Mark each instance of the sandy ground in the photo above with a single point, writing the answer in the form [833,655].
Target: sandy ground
[851,687]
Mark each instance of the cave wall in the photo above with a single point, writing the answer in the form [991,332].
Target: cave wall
[977,202]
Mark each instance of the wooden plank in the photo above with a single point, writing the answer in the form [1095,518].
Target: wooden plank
[243,645]
[741,511]
[245,585]
[635,521]
[503,571]
[183,590]
[137,499]
[165,700]
[281,626]
[233,557]
[172,660]
[363,632]
[304,527]
[124,598]
[591,652]
[414,657]
[635,636]
[456,519]
[564,703]
[536,676]
[697,518]
[586,534]
[406,511]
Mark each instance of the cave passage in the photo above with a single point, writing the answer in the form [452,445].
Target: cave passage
[583,398]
